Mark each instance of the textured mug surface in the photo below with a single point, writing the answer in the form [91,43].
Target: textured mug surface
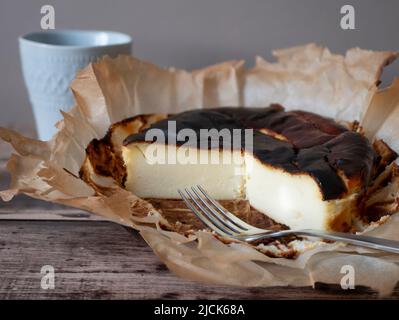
[50,60]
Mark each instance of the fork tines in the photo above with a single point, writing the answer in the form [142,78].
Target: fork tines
[211,213]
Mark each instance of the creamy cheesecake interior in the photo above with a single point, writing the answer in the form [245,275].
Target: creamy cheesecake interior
[291,199]
[304,170]
[162,180]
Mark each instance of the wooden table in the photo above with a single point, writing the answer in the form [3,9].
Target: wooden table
[97,259]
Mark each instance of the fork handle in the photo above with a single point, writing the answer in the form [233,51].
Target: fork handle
[358,240]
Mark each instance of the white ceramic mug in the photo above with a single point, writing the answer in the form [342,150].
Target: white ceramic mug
[50,60]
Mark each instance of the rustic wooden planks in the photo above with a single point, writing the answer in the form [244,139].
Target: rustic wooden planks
[103,260]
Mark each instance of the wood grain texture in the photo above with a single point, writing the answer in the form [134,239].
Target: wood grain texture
[102,260]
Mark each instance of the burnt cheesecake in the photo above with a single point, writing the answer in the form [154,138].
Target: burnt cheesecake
[298,168]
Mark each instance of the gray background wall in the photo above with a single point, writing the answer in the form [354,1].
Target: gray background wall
[194,33]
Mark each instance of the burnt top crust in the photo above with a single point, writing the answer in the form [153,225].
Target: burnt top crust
[340,160]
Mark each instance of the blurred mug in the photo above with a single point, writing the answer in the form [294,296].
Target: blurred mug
[50,60]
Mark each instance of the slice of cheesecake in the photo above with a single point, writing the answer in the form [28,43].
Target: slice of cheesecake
[298,168]
[148,179]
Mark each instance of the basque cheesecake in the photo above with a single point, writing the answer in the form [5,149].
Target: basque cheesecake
[298,168]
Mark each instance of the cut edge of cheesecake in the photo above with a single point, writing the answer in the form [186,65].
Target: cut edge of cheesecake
[107,157]
[294,200]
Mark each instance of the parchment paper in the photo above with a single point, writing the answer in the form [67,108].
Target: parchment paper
[307,77]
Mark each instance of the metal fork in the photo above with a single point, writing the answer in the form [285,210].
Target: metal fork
[224,223]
